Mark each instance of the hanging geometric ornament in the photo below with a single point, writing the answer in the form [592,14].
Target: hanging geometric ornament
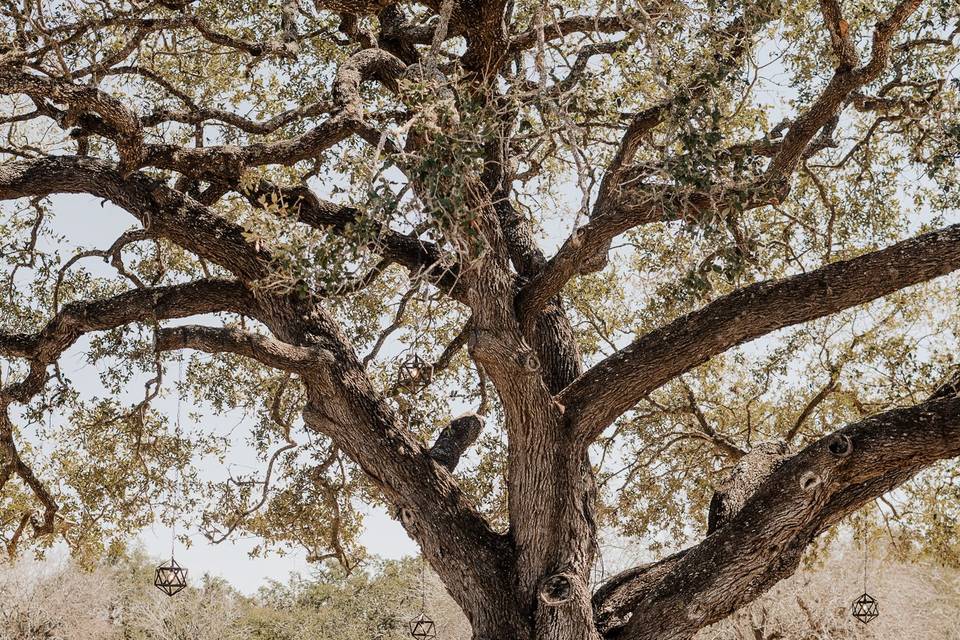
[865,608]
[423,627]
[414,373]
[171,578]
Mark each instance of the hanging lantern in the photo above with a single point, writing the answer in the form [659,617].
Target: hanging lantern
[414,373]
[423,627]
[865,608]
[171,578]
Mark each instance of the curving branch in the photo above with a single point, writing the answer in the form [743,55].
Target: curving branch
[125,128]
[621,203]
[563,27]
[77,318]
[11,463]
[343,405]
[709,433]
[226,163]
[94,111]
[586,248]
[812,404]
[764,542]
[194,113]
[164,212]
[415,254]
[264,349]
[618,382]
[845,81]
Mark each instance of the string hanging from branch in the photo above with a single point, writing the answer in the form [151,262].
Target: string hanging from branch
[171,578]
[865,608]
[422,627]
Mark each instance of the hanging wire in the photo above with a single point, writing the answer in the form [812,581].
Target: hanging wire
[179,390]
[423,584]
[176,487]
[864,540]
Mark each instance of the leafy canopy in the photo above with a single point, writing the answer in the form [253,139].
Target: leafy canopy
[120,438]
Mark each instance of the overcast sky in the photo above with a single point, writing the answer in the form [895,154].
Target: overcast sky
[92,224]
[89,224]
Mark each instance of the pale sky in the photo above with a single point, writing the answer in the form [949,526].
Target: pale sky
[88,224]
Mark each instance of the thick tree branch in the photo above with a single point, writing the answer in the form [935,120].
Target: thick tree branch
[839,30]
[432,508]
[455,439]
[97,112]
[125,125]
[765,541]
[267,350]
[357,420]
[161,210]
[616,599]
[75,319]
[618,382]
[473,560]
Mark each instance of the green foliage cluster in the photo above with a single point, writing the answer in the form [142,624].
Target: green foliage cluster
[123,458]
[116,599]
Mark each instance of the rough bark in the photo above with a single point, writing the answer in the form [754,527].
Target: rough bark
[621,380]
[532,580]
[765,541]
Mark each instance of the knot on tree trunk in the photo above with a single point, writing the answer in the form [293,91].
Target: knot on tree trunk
[529,362]
[406,518]
[840,445]
[810,481]
[557,589]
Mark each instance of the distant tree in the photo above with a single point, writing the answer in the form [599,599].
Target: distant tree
[375,602]
[917,601]
[40,602]
[113,600]
[567,217]
[209,611]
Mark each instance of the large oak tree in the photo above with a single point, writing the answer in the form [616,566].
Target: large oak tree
[568,217]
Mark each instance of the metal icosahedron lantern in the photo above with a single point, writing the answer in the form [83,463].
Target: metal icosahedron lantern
[423,627]
[414,373]
[865,608]
[171,578]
